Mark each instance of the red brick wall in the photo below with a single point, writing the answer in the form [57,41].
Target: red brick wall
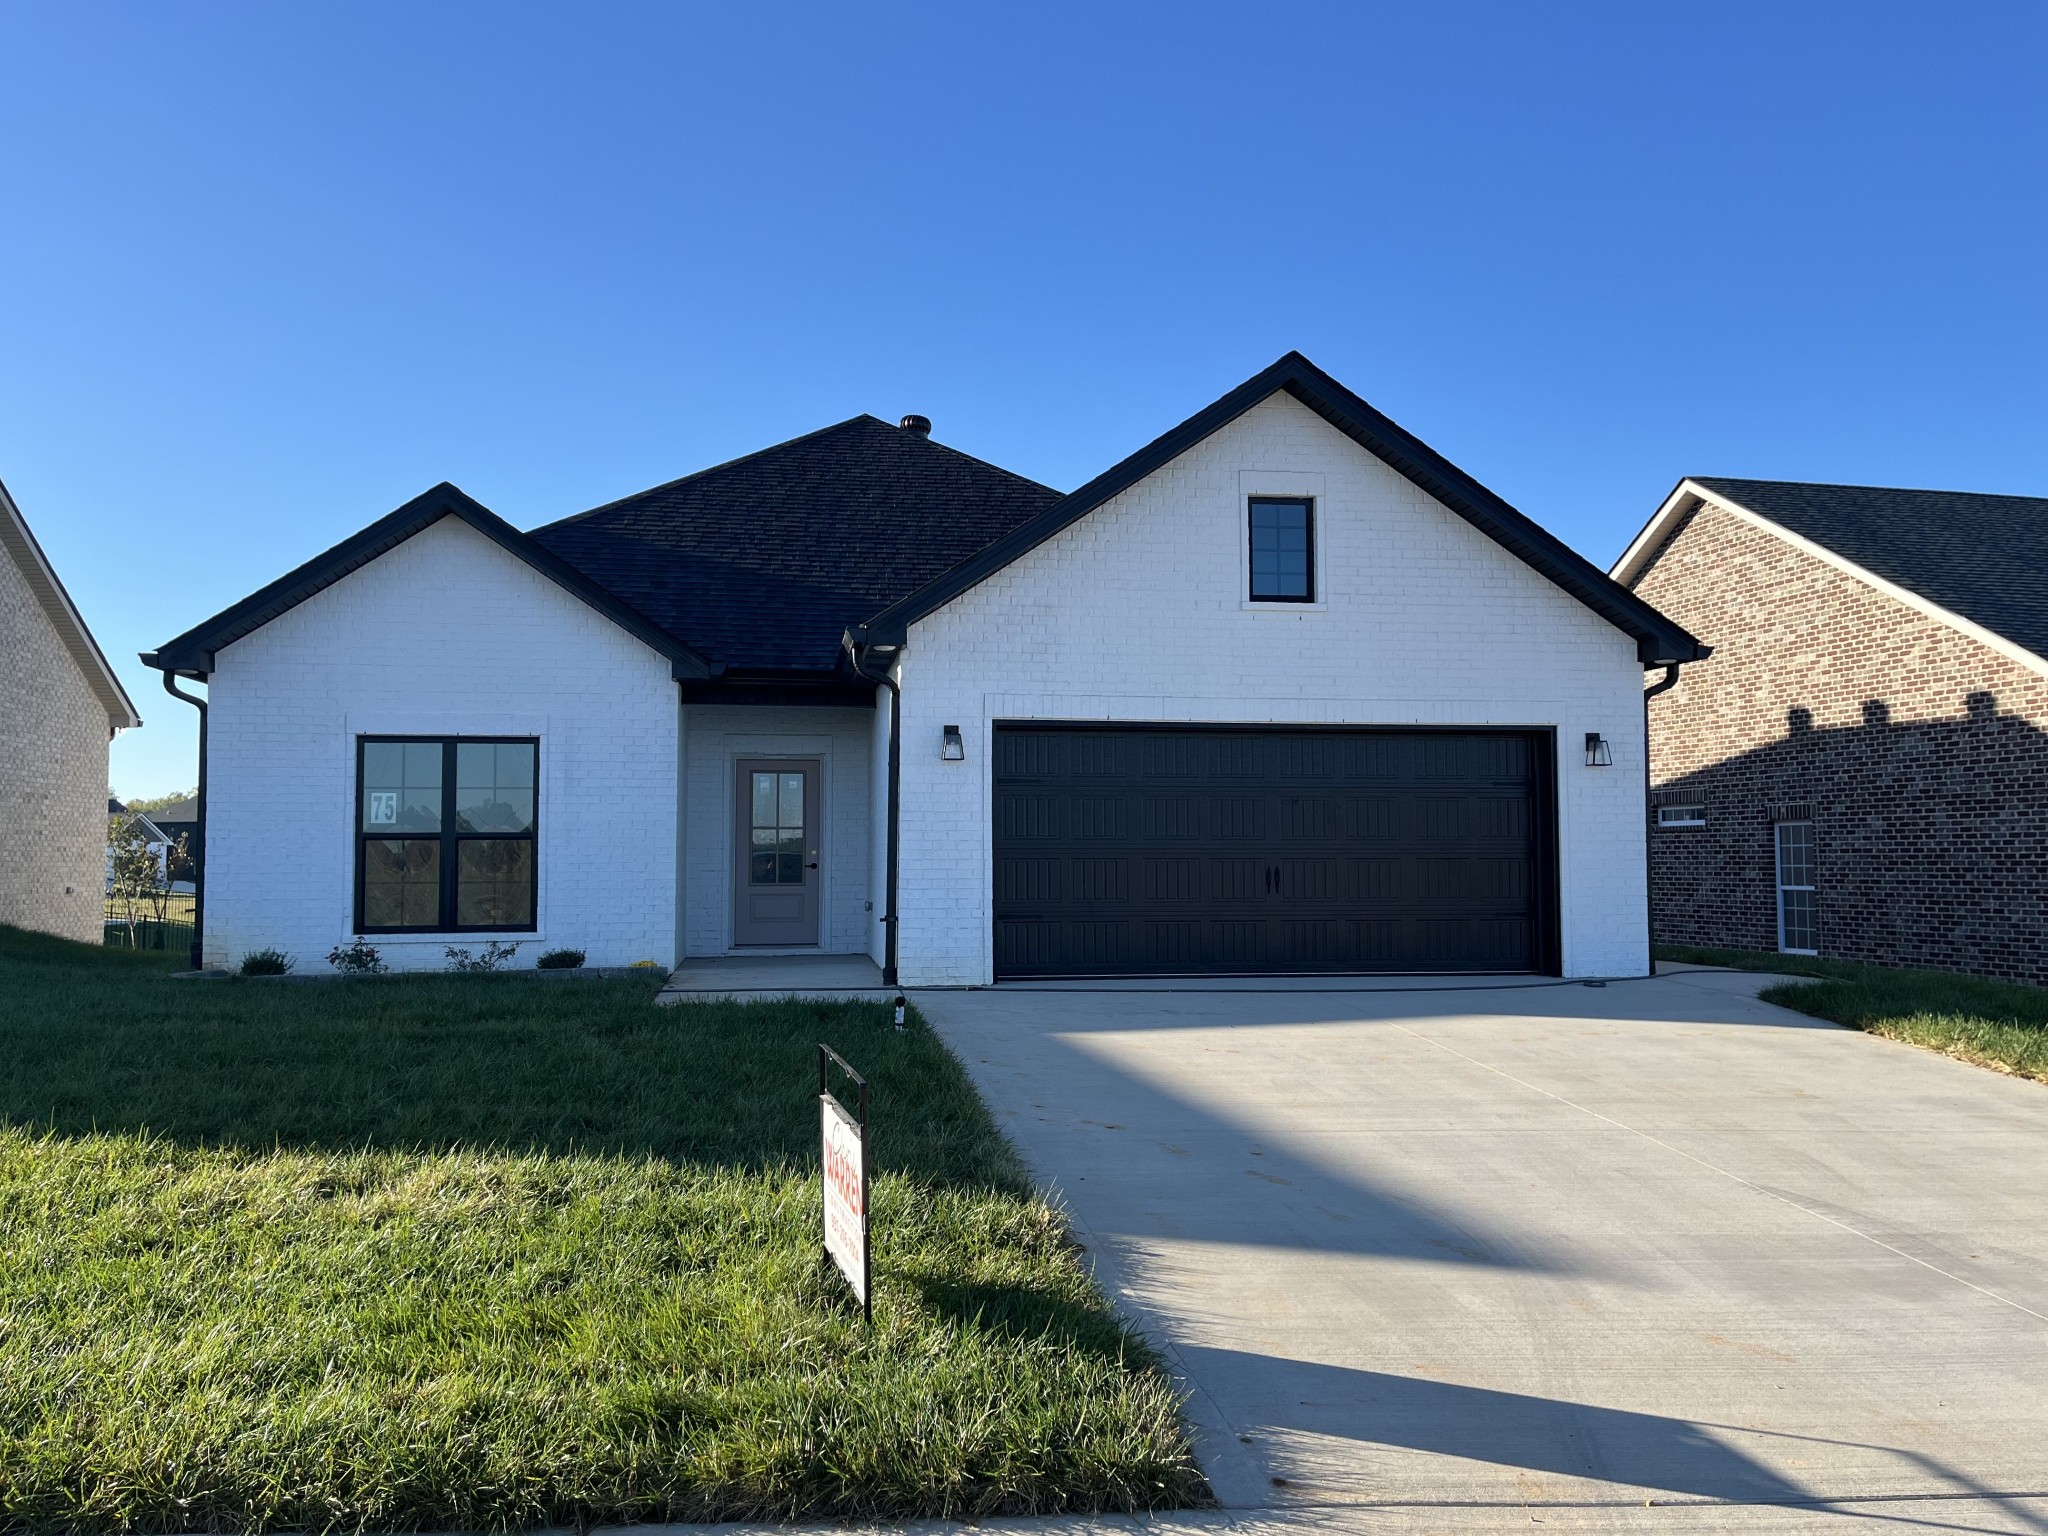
[1921,751]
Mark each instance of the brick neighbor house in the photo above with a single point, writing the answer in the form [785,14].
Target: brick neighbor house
[1860,770]
[60,704]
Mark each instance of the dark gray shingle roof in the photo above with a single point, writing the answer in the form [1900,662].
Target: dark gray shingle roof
[1983,557]
[765,561]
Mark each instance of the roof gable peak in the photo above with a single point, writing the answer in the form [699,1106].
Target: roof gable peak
[1658,639]
[19,542]
[192,653]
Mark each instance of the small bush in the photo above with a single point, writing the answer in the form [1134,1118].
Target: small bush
[358,959]
[493,957]
[561,960]
[266,962]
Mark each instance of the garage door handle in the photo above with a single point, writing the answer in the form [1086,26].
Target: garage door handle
[1273,879]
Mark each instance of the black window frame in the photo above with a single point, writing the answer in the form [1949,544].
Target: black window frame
[449,836]
[1308,506]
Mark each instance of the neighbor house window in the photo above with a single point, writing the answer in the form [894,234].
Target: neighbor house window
[444,833]
[1682,814]
[1283,535]
[1798,921]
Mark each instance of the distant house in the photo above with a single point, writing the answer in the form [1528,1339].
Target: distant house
[160,840]
[178,820]
[60,704]
[1861,769]
[1283,691]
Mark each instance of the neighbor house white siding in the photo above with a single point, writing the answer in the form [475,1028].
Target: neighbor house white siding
[1138,612]
[718,735]
[445,635]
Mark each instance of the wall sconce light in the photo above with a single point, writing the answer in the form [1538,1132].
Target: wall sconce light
[951,748]
[1599,753]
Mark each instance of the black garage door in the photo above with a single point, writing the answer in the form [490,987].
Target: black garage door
[1174,851]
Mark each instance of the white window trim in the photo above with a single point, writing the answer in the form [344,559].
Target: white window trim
[1698,818]
[1780,887]
[1283,482]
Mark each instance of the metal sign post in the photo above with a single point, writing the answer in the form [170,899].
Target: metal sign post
[843,1142]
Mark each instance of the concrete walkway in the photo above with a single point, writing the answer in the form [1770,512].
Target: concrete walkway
[828,978]
[1653,1255]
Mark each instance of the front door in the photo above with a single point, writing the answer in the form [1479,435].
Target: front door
[775,854]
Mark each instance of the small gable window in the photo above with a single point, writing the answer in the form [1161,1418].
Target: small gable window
[1283,535]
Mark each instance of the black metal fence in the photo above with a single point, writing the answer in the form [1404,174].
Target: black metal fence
[174,934]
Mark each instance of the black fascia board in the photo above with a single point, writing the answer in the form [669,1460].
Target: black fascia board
[191,654]
[1658,639]
[822,690]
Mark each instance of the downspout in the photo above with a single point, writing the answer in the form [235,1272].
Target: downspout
[199,864]
[855,641]
[1668,680]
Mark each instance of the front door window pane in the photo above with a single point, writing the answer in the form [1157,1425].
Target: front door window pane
[789,821]
[401,882]
[775,851]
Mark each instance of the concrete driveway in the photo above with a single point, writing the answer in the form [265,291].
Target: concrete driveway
[1472,1255]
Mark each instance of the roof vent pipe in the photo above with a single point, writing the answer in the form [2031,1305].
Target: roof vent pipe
[921,425]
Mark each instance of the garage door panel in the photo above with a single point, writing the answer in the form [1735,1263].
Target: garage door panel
[1241,818]
[1173,880]
[1023,883]
[1170,818]
[1309,880]
[1189,850]
[1024,817]
[1237,880]
[1319,820]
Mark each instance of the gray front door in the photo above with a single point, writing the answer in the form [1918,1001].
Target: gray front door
[775,853]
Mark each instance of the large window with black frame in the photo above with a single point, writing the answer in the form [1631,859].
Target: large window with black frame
[445,833]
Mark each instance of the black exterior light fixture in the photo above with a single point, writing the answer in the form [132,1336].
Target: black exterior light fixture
[951,748]
[1599,752]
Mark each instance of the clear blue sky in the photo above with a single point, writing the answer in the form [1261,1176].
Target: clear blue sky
[268,271]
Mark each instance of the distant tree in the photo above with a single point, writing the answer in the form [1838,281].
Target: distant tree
[150,803]
[138,872]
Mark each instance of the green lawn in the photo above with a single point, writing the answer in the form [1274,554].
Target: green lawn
[1992,1023]
[482,1252]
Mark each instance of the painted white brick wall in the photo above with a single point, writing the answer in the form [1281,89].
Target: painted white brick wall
[446,634]
[1137,612]
[718,735]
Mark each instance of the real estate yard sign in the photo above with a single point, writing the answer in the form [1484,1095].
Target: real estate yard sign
[843,1141]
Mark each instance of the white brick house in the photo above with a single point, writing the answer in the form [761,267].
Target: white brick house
[1282,692]
[60,704]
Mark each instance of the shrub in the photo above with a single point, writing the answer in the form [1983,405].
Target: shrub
[561,960]
[358,959]
[266,962]
[494,956]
